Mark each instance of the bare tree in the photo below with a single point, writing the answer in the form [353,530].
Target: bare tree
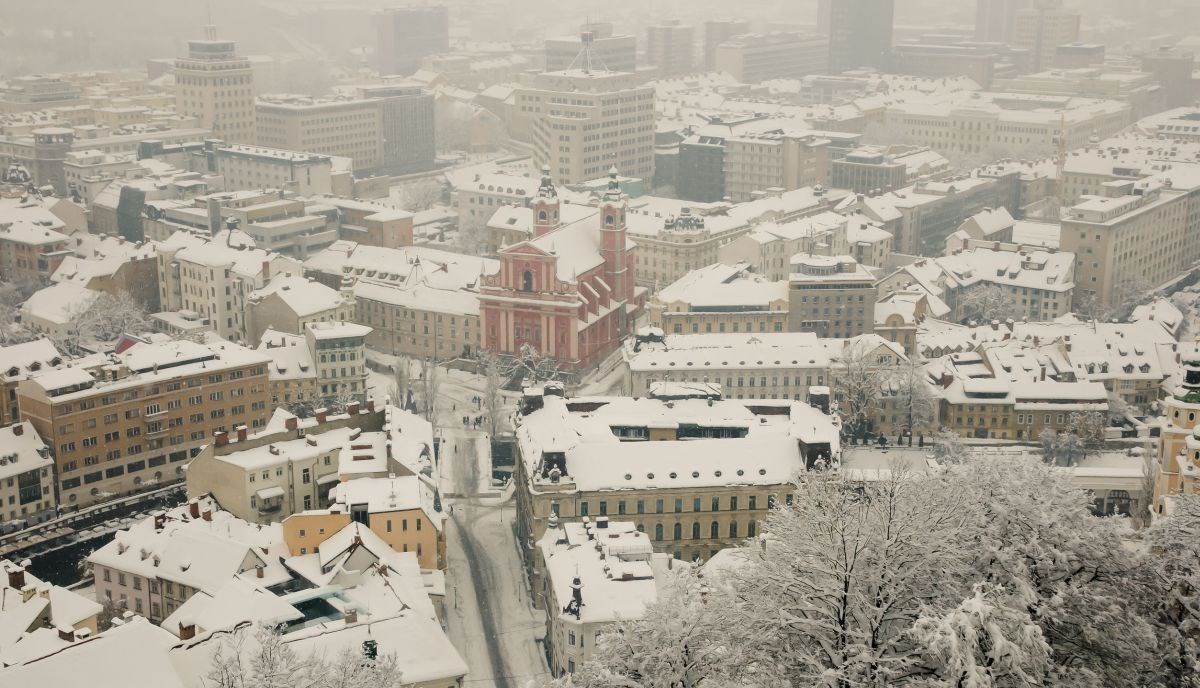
[914,397]
[401,390]
[988,302]
[493,401]
[105,320]
[429,385]
[858,383]
[264,659]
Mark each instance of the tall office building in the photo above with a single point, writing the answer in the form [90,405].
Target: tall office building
[1172,69]
[717,32]
[670,47]
[583,123]
[217,86]
[1042,28]
[754,57]
[406,34]
[616,52]
[996,20]
[859,31]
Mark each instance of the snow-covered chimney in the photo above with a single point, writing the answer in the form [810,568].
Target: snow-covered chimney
[187,629]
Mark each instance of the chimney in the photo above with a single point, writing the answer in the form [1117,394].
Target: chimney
[194,509]
[352,408]
[221,438]
[258,571]
[291,423]
[66,633]
[350,615]
[266,270]
[160,520]
[577,592]
[241,433]
[206,515]
[356,541]
[601,521]
[322,414]
[370,406]
[18,429]
[1043,374]
[187,629]
[16,577]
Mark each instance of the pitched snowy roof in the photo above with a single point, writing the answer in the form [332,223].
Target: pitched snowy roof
[720,285]
[59,303]
[303,296]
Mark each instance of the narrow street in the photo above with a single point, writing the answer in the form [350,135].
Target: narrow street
[489,617]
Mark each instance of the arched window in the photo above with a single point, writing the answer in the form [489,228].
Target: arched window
[658,532]
[714,531]
[696,530]
[678,534]
[527,281]
[542,217]
[752,529]
[609,220]
[733,529]
[1118,502]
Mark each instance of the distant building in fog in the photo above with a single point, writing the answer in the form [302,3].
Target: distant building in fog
[751,58]
[1042,28]
[670,47]
[406,34]
[717,32]
[996,20]
[617,52]
[859,31]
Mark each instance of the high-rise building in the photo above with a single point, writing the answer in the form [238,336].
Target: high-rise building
[406,34]
[616,52]
[1173,70]
[582,123]
[1042,28]
[751,58]
[859,31]
[996,20]
[670,47]
[216,85]
[717,32]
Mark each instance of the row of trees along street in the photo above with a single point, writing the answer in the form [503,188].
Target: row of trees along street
[986,574]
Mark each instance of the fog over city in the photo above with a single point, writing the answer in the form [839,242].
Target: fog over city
[658,344]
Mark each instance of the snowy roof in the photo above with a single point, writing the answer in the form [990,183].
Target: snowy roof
[405,266]
[582,430]
[396,493]
[328,329]
[289,354]
[22,450]
[59,303]
[19,360]
[236,601]
[719,285]
[303,296]
[619,573]
[104,660]
[679,353]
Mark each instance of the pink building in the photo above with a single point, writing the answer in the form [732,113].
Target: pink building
[568,291]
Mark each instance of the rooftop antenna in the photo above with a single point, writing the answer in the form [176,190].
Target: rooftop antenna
[587,37]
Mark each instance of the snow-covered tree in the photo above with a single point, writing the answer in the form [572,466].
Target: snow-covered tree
[400,391]
[1173,581]
[1034,536]
[1090,427]
[684,640]
[949,448]
[983,643]
[987,302]
[263,659]
[1061,448]
[428,386]
[105,320]
[858,381]
[914,397]
[421,194]
[850,567]
[493,400]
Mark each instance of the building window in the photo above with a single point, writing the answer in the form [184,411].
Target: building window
[714,530]
[658,531]
[696,530]
[678,532]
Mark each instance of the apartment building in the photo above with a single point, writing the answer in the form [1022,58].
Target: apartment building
[403,511]
[758,163]
[37,92]
[371,223]
[215,280]
[479,198]
[1136,233]
[30,253]
[751,365]
[290,302]
[720,298]
[129,423]
[833,296]
[582,123]
[291,467]
[751,58]
[695,474]
[408,33]
[718,31]
[998,408]
[769,247]
[598,574]
[215,85]
[22,361]
[420,302]
[27,494]
[605,50]
[383,129]
[671,47]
